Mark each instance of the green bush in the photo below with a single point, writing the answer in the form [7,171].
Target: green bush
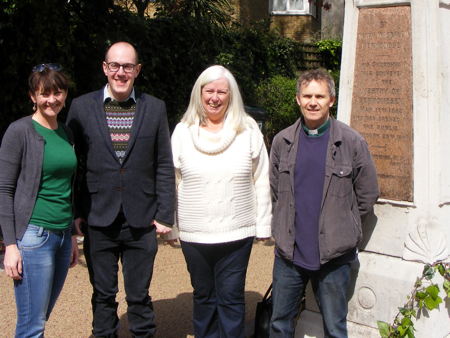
[173,50]
[277,96]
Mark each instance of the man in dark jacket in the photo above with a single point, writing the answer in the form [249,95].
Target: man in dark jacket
[126,189]
[323,183]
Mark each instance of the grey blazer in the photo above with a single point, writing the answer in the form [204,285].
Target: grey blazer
[143,186]
[21,156]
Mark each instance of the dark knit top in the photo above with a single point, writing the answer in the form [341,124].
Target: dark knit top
[309,179]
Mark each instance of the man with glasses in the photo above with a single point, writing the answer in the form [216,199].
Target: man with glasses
[126,189]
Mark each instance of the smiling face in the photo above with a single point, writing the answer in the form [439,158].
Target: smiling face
[215,99]
[48,103]
[315,102]
[121,82]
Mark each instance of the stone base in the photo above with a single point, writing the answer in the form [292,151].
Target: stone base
[381,285]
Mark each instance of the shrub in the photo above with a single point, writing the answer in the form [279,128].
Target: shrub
[277,96]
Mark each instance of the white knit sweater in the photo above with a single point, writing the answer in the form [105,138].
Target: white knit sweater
[223,191]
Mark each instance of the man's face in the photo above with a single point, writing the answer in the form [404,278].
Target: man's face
[121,80]
[315,101]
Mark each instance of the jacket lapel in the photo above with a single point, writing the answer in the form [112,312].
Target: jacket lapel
[100,117]
[137,122]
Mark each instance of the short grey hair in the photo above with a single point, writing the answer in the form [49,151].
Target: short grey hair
[319,74]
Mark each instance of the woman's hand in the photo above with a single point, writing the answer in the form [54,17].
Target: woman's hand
[13,262]
[74,255]
[161,229]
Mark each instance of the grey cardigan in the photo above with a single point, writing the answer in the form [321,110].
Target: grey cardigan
[21,156]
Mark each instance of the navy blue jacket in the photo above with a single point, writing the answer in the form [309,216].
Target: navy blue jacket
[143,185]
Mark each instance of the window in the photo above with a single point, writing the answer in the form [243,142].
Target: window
[292,7]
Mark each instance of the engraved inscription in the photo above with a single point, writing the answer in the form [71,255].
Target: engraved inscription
[382,96]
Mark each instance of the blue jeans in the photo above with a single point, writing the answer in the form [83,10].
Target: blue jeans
[218,277]
[46,259]
[330,285]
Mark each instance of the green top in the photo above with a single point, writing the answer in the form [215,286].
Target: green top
[53,206]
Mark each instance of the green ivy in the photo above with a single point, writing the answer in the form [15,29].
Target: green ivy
[425,295]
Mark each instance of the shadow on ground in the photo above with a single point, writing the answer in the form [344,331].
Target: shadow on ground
[178,323]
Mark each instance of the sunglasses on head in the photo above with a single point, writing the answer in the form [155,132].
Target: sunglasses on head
[52,66]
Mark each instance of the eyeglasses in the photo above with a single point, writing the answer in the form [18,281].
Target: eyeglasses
[114,67]
[41,67]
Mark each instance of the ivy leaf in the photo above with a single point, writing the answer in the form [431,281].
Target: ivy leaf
[406,322]
[441,269]
[428,271]
[431,303]
[420,295]
[433,291]
[402,331]
[447,287]
[383,329]
[411,332]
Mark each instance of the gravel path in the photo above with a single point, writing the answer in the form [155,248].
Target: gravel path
[171,292]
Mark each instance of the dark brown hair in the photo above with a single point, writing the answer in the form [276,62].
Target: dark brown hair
[47,80]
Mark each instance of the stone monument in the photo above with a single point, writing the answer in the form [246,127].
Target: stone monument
[395,90]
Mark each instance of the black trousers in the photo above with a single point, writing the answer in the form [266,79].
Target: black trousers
[136,248]
[218,274]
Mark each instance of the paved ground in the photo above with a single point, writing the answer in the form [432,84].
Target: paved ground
[170,289]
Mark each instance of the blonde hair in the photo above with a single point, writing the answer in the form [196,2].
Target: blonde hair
[235,115]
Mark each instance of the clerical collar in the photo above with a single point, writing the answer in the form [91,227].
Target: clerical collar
[319,131]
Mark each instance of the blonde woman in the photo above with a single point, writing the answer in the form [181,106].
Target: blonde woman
[223,199]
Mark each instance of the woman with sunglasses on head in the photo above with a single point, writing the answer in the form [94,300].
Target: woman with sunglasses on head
[37,166]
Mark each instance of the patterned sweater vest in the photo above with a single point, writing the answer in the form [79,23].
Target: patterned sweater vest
[119,117]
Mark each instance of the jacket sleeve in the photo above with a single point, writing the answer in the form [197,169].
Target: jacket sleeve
[74,126]
[165,173]
[273,170]
[365,179]
[10,166]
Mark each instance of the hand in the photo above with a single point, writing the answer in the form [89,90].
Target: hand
[13,262]
[171,242]
[77,223]
[262,239]
[74,255]
[161,229]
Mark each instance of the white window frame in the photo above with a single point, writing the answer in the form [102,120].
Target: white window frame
[309,8]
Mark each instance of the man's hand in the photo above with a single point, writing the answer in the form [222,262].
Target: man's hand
[13,262]
[161,229]
[74,254]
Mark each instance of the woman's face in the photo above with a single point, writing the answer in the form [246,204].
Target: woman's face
[49,104]
[215,99]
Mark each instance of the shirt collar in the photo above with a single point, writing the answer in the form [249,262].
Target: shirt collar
[107,95]
[319,131]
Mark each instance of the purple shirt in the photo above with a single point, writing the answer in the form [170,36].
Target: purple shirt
[309,179]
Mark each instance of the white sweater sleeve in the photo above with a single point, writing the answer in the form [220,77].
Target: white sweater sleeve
[262,185]
[176,149]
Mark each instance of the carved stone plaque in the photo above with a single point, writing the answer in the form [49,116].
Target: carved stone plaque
[382,96]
